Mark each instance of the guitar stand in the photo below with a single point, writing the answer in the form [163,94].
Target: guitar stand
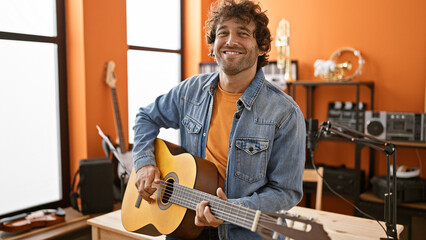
[386,148]
[122,185]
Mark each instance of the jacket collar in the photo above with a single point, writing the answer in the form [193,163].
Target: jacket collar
[250,94]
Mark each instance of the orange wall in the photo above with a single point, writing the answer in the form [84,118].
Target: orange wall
[192,41]
[391,36]
[76,83]
[96,33]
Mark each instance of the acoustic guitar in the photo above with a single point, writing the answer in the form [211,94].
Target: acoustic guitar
[188,180]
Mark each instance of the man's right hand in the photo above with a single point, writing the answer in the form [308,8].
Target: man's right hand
[145,176]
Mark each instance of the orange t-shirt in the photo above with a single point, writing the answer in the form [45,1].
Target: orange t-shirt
[224,108]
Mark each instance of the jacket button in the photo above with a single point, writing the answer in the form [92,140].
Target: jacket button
[237,116]
[251,149]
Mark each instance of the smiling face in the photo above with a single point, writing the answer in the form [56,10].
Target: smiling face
[235,47]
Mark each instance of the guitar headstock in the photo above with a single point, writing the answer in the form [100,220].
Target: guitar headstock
[298,227]
[110,74]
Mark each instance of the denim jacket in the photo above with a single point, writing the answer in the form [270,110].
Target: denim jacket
[266,145]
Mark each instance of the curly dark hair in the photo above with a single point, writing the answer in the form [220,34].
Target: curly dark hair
[246,11]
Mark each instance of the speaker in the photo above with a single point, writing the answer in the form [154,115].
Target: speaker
[375,124]
[95,187]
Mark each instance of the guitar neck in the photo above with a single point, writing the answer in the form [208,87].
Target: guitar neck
[121,143]
[222,209]
[268,226]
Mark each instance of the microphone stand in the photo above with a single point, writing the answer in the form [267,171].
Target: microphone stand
[386,148]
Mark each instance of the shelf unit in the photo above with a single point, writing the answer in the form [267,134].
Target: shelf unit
[310,87]
[366,201]
[412,215]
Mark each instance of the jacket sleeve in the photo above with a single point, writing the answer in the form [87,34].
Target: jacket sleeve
[164,112]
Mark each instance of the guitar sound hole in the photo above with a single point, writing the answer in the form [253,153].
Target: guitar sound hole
[167,191]
[164,196]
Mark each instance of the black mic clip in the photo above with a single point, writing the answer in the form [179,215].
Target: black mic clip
[311,133]
[325,126]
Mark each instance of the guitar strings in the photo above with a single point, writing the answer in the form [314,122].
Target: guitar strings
[180,195]
[169,191]
[246,222]
[207,197]
[175,192]
[213,201]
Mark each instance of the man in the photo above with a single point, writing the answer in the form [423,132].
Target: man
[252,131]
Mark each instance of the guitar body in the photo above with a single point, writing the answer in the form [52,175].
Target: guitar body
[161,216]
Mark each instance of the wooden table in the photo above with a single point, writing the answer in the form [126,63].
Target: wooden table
[345,227]
[109,227]
[338,226]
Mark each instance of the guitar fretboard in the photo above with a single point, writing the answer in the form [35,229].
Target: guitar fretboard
[222,209]
[118,121]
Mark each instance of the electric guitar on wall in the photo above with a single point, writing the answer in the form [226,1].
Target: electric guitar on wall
[188,180]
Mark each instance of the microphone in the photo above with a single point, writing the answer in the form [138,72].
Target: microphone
[311,133]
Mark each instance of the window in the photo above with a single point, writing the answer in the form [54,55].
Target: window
[34,164]
[154,58]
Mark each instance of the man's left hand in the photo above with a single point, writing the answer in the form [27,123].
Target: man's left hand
[204,217]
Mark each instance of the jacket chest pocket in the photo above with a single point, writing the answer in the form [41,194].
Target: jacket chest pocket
[251,158]
[192,129]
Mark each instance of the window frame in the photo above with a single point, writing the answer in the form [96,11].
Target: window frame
[60,41]
[180,51]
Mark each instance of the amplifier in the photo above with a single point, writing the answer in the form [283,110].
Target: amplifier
[396,126]
[340,179]
[95,187]
[408,190]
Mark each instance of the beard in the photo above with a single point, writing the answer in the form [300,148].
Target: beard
[234,65]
